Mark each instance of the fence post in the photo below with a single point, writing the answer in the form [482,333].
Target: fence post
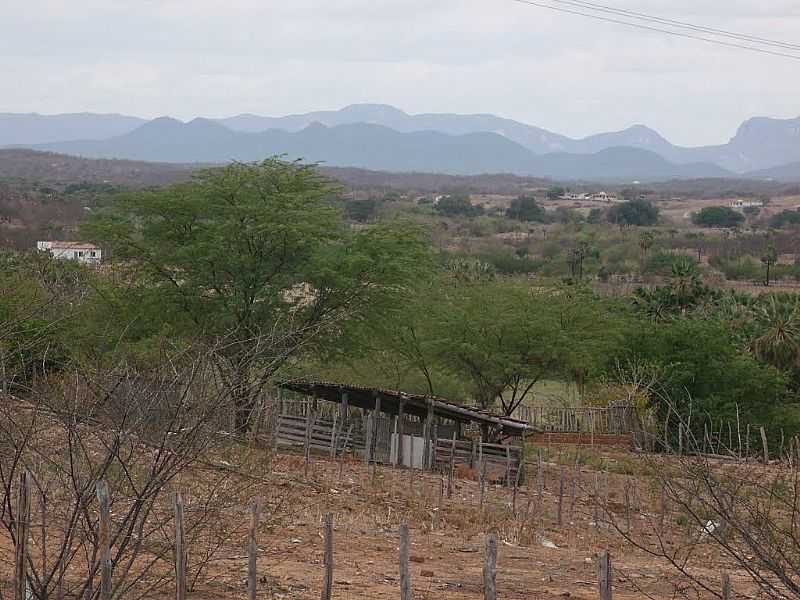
[405,579]
[508,466]
[333,436]
[327,586]
[561,495]
[22,525]
[727,593]
[605,577]
[180,550]
[401,431]
[766,446]
[104,539]
[539,475]
[252,551]
[747,444]
[490,569]
[451,470]
[368,442]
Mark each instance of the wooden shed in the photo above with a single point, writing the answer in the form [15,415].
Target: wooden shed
[406,429]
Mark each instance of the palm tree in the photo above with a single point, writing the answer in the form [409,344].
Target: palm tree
[778,319]
[768,260]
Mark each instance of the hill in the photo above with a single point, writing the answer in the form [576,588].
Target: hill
[376,147]
[33,128]
[759,143]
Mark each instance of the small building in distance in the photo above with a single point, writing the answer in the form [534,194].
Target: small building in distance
[83,252]
[748,203]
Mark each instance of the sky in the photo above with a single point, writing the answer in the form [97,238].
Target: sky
[566,73]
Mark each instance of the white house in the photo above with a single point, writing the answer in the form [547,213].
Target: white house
[739,203]
[82,252]
[603,197]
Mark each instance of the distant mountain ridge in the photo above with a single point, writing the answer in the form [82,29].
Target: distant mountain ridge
[377,148]
[33,128]
[382,137]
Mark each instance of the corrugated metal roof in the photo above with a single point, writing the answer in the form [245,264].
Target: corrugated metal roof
[414,403]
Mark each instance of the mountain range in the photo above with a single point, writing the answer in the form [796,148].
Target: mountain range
[385,138]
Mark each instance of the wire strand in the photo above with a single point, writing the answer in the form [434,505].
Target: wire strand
[659,30]
[682,24]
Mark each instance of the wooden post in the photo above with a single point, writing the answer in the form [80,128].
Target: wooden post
[727,593]
[539,476]
[104,539]
[307,444]
[440,503]
[451,470]
[764,443]
[327,585]
[739,431]
[508,466]
[396,437]
[345,409]
[605,577]
[596,503]
[561,495]
[747,444]
[252,551]
[680,439]
[401,431]
[180,550]
[333,437]
[482,477]
[405,578]
[368,442]
[427,462]
[22,528]
[376,418]
[574,489]
[490,569]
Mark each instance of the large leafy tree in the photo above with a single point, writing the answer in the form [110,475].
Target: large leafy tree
[503,337]
[253,261]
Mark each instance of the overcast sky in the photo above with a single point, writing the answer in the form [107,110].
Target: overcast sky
[565,73]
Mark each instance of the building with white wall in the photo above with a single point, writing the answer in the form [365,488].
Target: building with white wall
[83,252]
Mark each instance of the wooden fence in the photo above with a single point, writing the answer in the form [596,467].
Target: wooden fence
[615,419]
[105,533]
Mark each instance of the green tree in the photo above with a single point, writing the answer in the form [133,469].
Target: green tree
[769,259]
[718,216]
[361,210]
[777,323]
[786,218]
[458,206]
[253,260]
[634,212]
[503,338]
[646,241]
[555,192]
[525,208]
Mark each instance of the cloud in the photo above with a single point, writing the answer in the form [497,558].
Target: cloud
[561,72]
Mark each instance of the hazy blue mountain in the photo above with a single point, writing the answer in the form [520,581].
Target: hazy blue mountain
[34,128]
[637,136]
[788,173]
[376,147]
[759,143]
[536,139]
[623,164]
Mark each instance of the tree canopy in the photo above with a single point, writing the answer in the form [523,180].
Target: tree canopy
[718,216]
[634,212]
[255,261]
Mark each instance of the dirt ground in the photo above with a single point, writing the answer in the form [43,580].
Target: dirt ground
[537,558]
